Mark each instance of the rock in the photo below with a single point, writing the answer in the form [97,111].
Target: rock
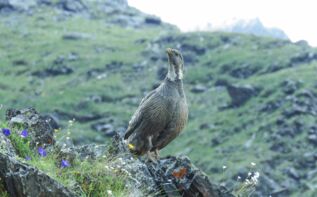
[71,5]
[12,5]
[312,138]
[98,73]
[5,5]
[171,176]
[291,172]
[76,36]
[289,86]
[240,94]
[20,62]
[39,129]
[79,118]
[244,71]
[21,179]
[199,50]
[54,71]
[303,57]
[152,20]
[221,82]
[52,121]
[5,144]
[271,106]
[207,126]
[104,128]
[114,65]
[199,89]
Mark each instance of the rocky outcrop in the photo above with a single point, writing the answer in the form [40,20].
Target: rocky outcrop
[239,94]
[24,180]
[40,128]
[170,176]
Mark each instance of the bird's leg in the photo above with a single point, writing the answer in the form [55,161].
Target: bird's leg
[148,153]
[157,154]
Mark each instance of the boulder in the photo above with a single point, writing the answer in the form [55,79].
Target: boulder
[199,89]
[38,127]
[53,71]
[240,94]
[72,5]
[105,128]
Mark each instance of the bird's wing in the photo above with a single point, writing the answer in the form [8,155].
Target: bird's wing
[174,128]
[137,116]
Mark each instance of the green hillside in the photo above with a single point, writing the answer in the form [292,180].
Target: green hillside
[92,67]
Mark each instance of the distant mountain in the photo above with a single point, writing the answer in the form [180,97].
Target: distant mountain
[249,26]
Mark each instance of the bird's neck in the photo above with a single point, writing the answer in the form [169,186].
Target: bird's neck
[176,84]
[174,74]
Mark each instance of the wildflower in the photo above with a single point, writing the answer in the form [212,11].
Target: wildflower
[224,167]
[67,138]
[64,163]
[24,133]
[27,158]
[42,151]
[253,164]
[6,131]
[239,177]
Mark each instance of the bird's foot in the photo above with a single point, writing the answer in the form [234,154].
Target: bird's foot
[157,154]
[151,158]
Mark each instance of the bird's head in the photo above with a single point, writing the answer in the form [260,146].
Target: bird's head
[176,67]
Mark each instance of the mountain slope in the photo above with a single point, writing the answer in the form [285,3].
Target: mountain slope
[250,26]
[94,63]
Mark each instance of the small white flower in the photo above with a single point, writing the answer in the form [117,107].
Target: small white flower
[239,177]
[68,133]
[253,164]
[67,138]
[224,167]
[249,173]
[109,192]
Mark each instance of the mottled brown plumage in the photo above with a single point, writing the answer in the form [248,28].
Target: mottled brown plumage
[162,113]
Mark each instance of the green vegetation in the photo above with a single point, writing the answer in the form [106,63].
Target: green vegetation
[93,177]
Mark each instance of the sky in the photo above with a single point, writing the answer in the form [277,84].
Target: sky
[297,18]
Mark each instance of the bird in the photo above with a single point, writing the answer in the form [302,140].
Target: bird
[162,114]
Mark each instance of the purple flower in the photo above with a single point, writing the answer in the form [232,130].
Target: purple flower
[27,158]
[41,151]
[64,163]
[24,133]
[6,131]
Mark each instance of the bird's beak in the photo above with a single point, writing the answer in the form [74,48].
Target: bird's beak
[169,51]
